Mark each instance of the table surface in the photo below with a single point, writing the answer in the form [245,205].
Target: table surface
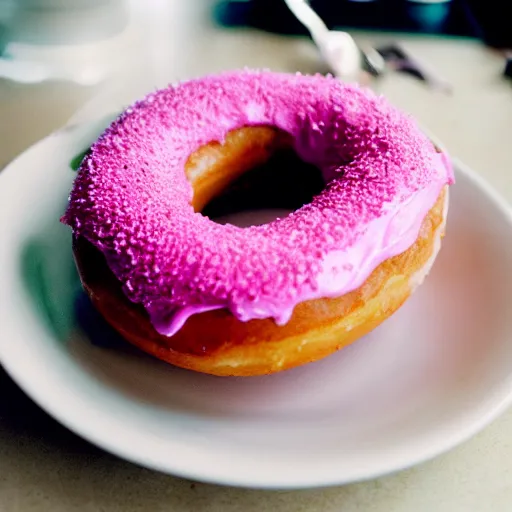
[43,467]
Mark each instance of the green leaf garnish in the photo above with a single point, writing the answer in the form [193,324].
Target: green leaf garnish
[77,160]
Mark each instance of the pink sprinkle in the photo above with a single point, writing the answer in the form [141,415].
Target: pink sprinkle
[131,197]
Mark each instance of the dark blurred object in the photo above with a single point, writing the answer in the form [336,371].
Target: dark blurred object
[508,67]
[435,16]
[398,59]
[493,18]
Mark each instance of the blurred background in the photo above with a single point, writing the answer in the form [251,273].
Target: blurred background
[474,18]
[68,60]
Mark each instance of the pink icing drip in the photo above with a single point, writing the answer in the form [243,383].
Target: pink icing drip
[132,200]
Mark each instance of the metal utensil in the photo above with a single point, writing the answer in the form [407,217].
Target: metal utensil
[338,49]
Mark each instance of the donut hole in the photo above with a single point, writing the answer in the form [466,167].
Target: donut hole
[255,168]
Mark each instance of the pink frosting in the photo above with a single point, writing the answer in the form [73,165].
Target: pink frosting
[131,198]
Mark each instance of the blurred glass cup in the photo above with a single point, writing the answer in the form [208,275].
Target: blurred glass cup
[77,40]
[50,22]
[429,15]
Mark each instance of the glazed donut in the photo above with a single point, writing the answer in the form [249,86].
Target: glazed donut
[226,300]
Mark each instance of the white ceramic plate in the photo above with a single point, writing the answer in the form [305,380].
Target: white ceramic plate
[431,376]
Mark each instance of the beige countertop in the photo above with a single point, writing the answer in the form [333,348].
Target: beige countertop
[45,468]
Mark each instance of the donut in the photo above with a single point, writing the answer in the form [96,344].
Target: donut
[241,301]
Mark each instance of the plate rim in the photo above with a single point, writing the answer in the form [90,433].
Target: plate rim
[203,472]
